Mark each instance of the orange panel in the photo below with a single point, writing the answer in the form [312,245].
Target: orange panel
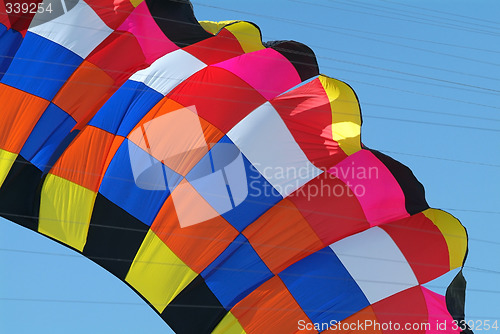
[282,236]
[20,112]
[83,160]
[85,92]
[175,135]
[271,309]
[197,244]
[356,323]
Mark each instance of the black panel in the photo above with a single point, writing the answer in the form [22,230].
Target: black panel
[300,55]
[455,299]
[19,194]
[194,310]
[114,237]
[177,21]
[413,190]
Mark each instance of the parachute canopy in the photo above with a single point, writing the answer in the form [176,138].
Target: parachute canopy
[220,177]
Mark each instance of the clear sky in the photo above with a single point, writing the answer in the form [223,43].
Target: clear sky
[427,76]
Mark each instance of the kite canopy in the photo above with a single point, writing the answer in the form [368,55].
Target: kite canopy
[220,177]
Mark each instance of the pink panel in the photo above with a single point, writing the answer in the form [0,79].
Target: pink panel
[267,71]
[153,42]
[373,184]
[440,320]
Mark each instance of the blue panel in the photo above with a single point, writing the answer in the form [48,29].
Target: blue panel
[128,105]
[41,67]
[236,272]
[220,177]
[137,182]
[243,195]
[10,40]
[51,129]
[260,197]
[323,287]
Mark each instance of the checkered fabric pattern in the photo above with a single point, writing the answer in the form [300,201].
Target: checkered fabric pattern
[232,196]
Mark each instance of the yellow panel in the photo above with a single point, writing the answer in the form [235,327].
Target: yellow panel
[453,232]
[65,211]
[136,3]
[229,325]
[6,160]
[157,273]
[346,115]
[248,35]
[214,27]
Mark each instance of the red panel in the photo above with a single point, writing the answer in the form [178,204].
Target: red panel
[330,207]
[20,22]
[422,244]
[112,12]
[119,55]
[308,115]
[407,308]
[219,96]
[4,18]
[216,49]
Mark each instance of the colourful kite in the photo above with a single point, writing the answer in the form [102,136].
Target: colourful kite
[220,177]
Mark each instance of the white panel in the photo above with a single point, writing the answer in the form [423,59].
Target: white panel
[169,71]
[376,263]
[79,30]
[265,140]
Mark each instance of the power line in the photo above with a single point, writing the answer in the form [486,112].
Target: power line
[406,4]
[429,111]
[411,74]
[326,311]
[432,123]
[404,120]
[368,116]
[422,94]
[484,90]
[475,75]
[417,75]
[405,18]
[329,28]
[325,214]
[392,10]
[392,88]
[441,158]
[80,255]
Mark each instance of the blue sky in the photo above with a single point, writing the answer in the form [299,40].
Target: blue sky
[426,74]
